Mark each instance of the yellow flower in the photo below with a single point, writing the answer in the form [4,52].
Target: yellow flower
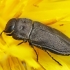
[55,13]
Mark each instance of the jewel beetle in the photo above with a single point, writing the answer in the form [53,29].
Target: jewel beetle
[39,35]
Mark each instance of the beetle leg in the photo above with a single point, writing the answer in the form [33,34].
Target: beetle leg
[36,55]
[54,59]
[24,41]
[34,50]
[20,43]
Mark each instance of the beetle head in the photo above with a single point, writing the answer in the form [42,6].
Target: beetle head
[19,29]
[10,27]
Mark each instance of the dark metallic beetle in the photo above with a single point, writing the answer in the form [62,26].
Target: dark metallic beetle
[38,35]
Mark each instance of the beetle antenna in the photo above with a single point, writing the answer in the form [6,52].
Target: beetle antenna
[1,33]
[54,59]
[2,37]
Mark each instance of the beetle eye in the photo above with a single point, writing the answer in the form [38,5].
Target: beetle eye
[9,29]
[10,25]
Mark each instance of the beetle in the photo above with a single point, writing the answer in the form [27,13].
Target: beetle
[39,35]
